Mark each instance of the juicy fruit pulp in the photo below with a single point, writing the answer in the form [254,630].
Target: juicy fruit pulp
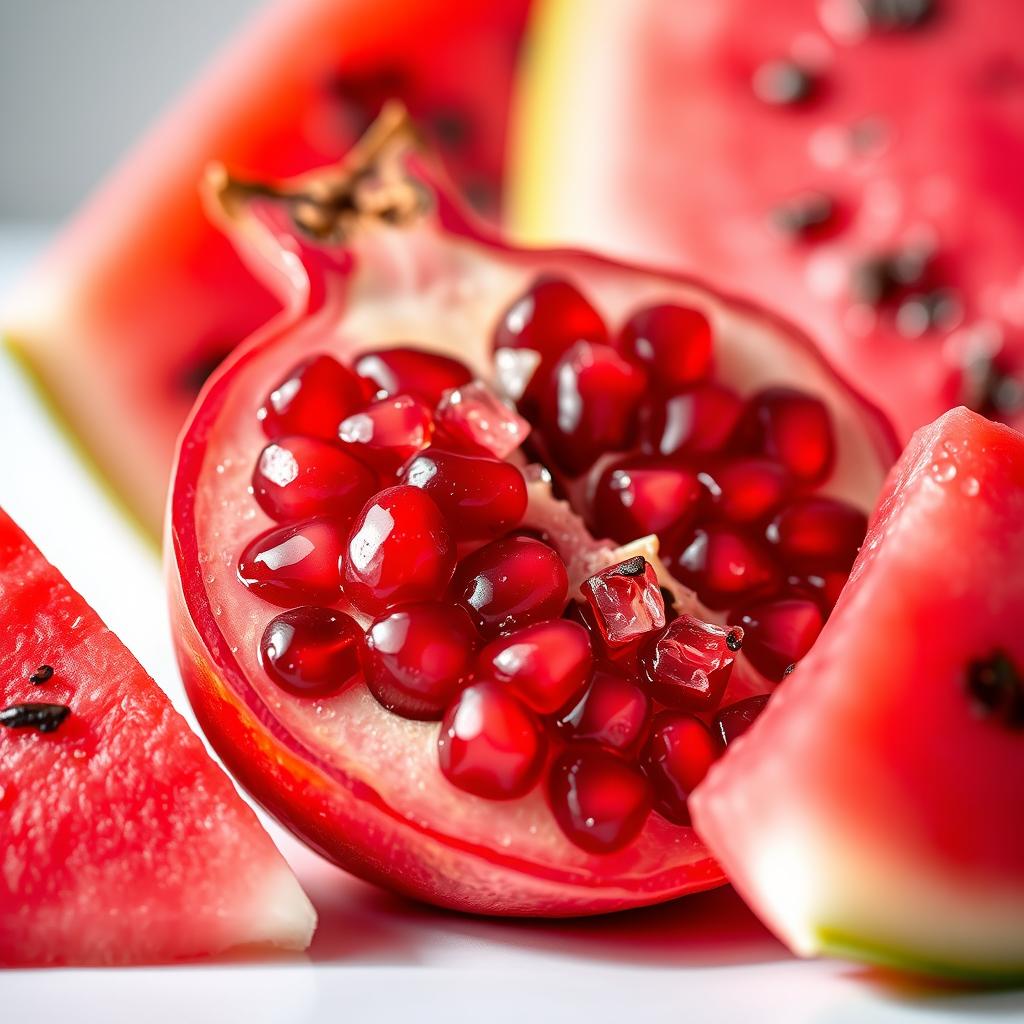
[196,877]
[903,758]
[142,297]
[495,759]
[886,222]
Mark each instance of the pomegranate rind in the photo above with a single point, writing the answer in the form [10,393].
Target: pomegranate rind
[872,811]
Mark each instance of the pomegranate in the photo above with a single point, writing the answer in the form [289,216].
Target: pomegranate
[533,702]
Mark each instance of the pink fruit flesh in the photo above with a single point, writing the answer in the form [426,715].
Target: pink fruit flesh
[313,399]
[296,564]
[311,651]
[626,601]
[677,757]
[408,371]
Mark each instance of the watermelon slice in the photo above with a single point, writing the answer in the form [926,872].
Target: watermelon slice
[122,841]
[876,809]
[141,296]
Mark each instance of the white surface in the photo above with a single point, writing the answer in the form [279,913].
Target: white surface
[377,958]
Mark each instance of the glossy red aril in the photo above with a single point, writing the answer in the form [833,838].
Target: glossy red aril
[417,656]
[676,759]
[298,477]
[311,651]
[480,498]
[673,342]
[399,550]
[698,420]
[412,371]
[725,565]
[689,664]
[547,664]
[825,587]
[490,744]
[614,713]
[588,405]
[599,801]
[733,721]
[640,495]
[295,564]
[625,601]
[315,396]
[793,428]
[778,633]
[510,583]
[475,415]
[389,431]
[818,533]
[748,490]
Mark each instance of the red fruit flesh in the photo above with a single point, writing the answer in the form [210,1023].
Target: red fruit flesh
[813,534]
[315,396]
[614,713]
[700,420]
[409,371]
[417,657]
[387,433]
[311,651]
[777,634]
[725,566]
[673,343]
[677,757]
[296,564]
[626,601]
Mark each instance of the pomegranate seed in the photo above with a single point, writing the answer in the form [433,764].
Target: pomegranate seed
[480,498]
[672,342]
[311,651]
[824,587]
[779,633]
[399,550]
[475,415]
[614,713]
[510,583]
[733,721]
[295,564]
[549,317]
[418,656]
[724,566]
[818,533]
[638,496]
[793,428]
[599,801]
[625,600]
[388,432]
[411,371]
[589,405]
[300,477]
[676,759]
[547,664]
[688,666]
[313,399]
[748,490]
[490,744]
[698,421]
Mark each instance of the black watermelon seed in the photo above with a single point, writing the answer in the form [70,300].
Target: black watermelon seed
[927,311]
[41,717]
[897,15]
[803,215]
[996,689]
[783,83]
[43,674]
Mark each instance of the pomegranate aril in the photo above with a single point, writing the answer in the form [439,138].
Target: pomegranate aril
[510,583]
[673,342]
[625,601]
[386,433]
[490,744]
[793,428]
[547,664]
[599,801]
[481,498]
[724,565]
[676,759]
[417,657]
[411,371]
[824,587]
[298,477]
[641,495]
[588,405]
[817,533]
[700,420]
[295,564]
[689,664]
[315,396]
[614,713]
[734,720]
[311,651]
[399,550]
[748,490]
[476,416]
[778,633]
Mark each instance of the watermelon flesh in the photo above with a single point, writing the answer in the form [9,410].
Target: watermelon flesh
[141,296]
[123,842]
[875,809]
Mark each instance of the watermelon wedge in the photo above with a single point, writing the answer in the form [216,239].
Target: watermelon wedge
[123,842]
[876,808]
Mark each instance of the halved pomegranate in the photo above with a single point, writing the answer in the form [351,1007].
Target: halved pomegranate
[534,703]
